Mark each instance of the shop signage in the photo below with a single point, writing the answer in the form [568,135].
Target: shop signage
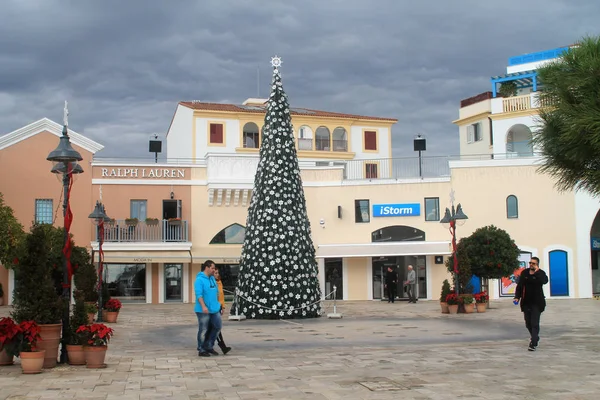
[176,173]
[595,243]
[142,259]
[397,210]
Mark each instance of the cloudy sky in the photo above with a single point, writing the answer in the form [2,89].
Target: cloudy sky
[124,65]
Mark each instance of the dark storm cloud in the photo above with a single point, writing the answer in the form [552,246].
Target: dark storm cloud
[124,65]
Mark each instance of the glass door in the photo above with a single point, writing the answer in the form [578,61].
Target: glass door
[334,276]
[173,282]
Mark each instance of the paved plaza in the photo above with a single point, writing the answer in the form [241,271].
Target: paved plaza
[377,351]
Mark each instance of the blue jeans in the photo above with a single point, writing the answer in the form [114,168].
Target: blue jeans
[209,326]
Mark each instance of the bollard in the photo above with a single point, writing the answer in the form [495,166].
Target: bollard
[335,314]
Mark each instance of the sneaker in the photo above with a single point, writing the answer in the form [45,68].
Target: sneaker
[531,347]
[225,349]
[214,353]
[203,354]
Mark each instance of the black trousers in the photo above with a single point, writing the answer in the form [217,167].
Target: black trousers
[391,288]
[532,322]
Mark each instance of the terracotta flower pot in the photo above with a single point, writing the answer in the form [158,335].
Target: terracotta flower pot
[32,361]
[94,356]
[5,359]
[453,308]
[481,307]
[76,354]
[444,306]
[469,308]
[110,316]
[50,335]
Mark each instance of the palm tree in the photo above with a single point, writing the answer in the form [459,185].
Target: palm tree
[569,134]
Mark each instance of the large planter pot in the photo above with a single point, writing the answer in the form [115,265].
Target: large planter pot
[76,354]
[32,361]
[5,359]
[94,356]
[469,308]
[453,309]
[110,316]
[50,339]
[444,306]
[481,307]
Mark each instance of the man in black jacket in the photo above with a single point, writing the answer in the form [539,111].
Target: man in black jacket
[391,283]
[530,294]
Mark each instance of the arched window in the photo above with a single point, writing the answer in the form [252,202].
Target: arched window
[322,138]
[340,139]
[233,234]
[250,138]
[518,141]
[512,207]
[398,233]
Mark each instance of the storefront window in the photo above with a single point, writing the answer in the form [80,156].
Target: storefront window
[334,277]
[126,282]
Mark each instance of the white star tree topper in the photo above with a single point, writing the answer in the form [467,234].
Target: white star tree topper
[276,62]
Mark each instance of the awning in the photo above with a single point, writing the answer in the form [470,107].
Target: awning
[384,249]
[175,257]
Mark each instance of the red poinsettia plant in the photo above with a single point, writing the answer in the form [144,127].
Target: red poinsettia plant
[8,331]
[112,305]
[17,339]
[481,297]
[452,299]
[95,334]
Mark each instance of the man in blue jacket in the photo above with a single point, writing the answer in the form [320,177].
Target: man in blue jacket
[207,309]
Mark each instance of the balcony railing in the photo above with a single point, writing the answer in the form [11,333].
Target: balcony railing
[333,145]
[520,103]
[162,231]
[398,168]
[305,144]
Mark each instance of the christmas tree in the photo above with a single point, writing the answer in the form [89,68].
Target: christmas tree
[278,269]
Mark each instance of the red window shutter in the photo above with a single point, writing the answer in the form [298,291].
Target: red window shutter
[370,140]
[371,171]
[216,133]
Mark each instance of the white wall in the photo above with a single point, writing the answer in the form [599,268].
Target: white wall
[179,137]
[231,135]
[500,128]
[383,144]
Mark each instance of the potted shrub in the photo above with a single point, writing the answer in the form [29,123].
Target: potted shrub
[86,281]
[131,221]
[96,337]
[445,292]
[8,331]
[453,302]
[24,345]
[112,308]
[1,295]
[76,340]
[467,300]
[481,300]
[34,275]
[175,221]
[91,309]
[151,221]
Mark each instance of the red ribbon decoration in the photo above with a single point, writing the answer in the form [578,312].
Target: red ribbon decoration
[100,252]
[68,221]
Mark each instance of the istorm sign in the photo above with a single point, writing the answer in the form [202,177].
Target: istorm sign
[397,210]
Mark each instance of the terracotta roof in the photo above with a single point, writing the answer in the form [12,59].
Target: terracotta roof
[476,99]
[251,108]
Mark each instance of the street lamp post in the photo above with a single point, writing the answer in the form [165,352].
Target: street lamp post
[99,216]
[450,220]
[65,160]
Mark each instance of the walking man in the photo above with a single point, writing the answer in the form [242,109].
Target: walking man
[208,309]
[411,280]
[530,294]
[391,283]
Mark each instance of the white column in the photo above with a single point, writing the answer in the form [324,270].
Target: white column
[345,278]
[11,286]
[149,283]
[161,283]
[369,267]
[186,283]
[321,275]
[429,263]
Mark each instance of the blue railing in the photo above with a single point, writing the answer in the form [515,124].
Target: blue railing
[160,231]
[537,56]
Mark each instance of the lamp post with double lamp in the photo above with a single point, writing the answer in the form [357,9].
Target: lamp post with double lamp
[450,220]
[65,160]
[99,217]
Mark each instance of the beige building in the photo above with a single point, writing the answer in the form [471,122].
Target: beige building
[367,210]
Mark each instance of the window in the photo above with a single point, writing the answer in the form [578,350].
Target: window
[250,136]
[432,208]
[512,207]
[370,140]
[43,211]
[216,134]
[474,133]
[371,170]
[361,211]
[138,209]
[233,234]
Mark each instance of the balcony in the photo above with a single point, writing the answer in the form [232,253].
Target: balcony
[525,102]
[162,231]
[323,144]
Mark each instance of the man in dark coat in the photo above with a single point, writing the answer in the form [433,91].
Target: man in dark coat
[391,283]
[530,294]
